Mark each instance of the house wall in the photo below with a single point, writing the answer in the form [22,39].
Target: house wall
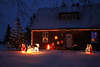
[81,38]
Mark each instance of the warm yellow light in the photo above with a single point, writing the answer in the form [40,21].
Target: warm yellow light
[58,42]
[56,37]
[88,49]
[29,51]
[93,40]
[32,53]
[23,51]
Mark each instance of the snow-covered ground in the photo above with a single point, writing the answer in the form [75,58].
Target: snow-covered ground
[3,47]
[9,10]
[56,58]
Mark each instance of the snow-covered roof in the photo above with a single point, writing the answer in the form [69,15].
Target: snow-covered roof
[47,18]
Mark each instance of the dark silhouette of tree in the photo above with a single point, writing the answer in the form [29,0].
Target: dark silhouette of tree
[85,1]
[23,9]
[77,4]
[29,28]
[73,5]
[6,40]
[63,4]
[17,35]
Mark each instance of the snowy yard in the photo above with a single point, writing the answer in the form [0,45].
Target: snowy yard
[56,58]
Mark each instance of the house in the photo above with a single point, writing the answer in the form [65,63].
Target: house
[66,27]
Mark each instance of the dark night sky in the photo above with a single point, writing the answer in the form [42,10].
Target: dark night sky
[8,10]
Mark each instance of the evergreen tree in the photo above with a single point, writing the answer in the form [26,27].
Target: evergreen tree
[29,28]
[7,35]
[17,35]
[63,4]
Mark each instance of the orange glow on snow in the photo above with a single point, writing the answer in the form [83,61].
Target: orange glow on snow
[89,53]
[32,53]
[23,51]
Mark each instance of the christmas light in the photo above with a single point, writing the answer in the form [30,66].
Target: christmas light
[62,42]
[23,48]
[53,46]
[48,47]
[31,50]
[89,49]
[56,37]
[93,39]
